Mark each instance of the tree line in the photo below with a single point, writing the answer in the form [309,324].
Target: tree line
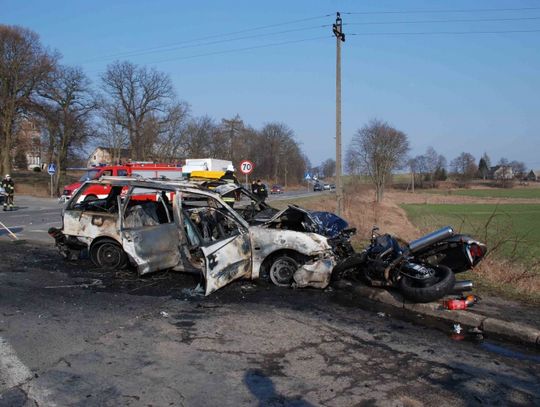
[377,150]
[132,108]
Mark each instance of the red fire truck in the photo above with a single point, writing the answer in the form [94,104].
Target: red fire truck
[142,170]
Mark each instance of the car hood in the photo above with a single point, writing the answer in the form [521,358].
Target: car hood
[327,224]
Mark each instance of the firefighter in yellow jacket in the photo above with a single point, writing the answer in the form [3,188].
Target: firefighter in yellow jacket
[229,178]
[9,188]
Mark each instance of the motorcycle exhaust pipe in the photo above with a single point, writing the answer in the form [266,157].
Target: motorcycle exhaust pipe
[432,238]
[461,286]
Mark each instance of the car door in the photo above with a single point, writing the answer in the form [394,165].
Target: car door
[148,231]
[226,260]
[225,241]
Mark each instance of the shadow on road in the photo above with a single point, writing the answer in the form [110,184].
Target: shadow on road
[262,387]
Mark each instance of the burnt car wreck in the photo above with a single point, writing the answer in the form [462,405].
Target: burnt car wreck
[158,225]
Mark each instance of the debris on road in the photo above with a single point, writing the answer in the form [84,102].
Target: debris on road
[95,282]
[164,314]
[455,304]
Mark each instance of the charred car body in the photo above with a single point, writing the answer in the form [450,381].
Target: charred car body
[156,225]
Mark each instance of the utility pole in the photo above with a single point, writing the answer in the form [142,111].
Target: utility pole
[337,29]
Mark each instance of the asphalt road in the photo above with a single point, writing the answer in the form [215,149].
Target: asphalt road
[74,335]
[31,218]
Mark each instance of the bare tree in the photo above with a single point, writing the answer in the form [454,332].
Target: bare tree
[328,168]
[352,162]
[464,166]
[381,149]
[518,168]
[67,103]
[112,135]
[24,64]
[199,137]
[140,96]
[171,141]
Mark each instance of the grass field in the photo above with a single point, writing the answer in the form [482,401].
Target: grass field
[517,221]
[522,193]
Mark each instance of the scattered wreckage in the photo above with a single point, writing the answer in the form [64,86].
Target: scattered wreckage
[157,225]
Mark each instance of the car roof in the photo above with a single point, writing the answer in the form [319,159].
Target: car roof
[181,186]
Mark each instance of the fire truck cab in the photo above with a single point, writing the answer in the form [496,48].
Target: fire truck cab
[140,170]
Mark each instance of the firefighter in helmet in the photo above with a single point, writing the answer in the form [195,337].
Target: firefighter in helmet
[9,188]
[229,178]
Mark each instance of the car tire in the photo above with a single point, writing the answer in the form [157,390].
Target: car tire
[90,198]
[108,254]
[282,270]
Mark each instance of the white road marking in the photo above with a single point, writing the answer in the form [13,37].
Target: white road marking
[13,372]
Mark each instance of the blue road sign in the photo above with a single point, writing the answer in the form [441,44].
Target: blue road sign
[307,176]
[51,169]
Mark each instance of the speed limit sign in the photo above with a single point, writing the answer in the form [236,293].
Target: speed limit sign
[246,167]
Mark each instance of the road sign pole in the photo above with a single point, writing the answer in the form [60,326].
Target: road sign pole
[51,185]
[247,184]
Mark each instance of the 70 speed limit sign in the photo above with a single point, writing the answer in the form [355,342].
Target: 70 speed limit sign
[246,167]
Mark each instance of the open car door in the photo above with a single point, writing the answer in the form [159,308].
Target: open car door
[148,230]
[225,241]
[226,260]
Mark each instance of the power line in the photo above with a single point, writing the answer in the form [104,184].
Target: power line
[274,44]
[262,27]
[445,21]
[234,50]
[477,10]
[445,32]
[171,48]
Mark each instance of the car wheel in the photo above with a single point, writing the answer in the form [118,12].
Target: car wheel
[108,255]
[282,271]
[90,198]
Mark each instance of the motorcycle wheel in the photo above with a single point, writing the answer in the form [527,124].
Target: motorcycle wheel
[443,282]
[349,269]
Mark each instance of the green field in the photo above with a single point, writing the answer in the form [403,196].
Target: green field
[523,193]
[517,221]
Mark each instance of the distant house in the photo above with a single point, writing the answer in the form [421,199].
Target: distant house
[108,156]
[533,175]
[29,144]
[501,172]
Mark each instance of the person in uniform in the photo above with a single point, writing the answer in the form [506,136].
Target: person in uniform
[229,178]
[9,187]
[261,192]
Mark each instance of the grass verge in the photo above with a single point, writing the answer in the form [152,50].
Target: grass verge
[512,233]
[515,193]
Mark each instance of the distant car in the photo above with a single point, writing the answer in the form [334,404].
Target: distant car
[2,195]
[317,187]
[326,187]
[332,186]
[276,189]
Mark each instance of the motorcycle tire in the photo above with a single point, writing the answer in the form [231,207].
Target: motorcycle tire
[414,292]
[349,269]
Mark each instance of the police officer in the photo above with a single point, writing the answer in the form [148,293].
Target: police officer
[229,178]
[9,187]
[260,191]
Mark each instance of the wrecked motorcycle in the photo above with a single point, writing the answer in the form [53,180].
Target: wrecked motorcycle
[423,269]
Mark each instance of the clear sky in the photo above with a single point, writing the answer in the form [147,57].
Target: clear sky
[456,91]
